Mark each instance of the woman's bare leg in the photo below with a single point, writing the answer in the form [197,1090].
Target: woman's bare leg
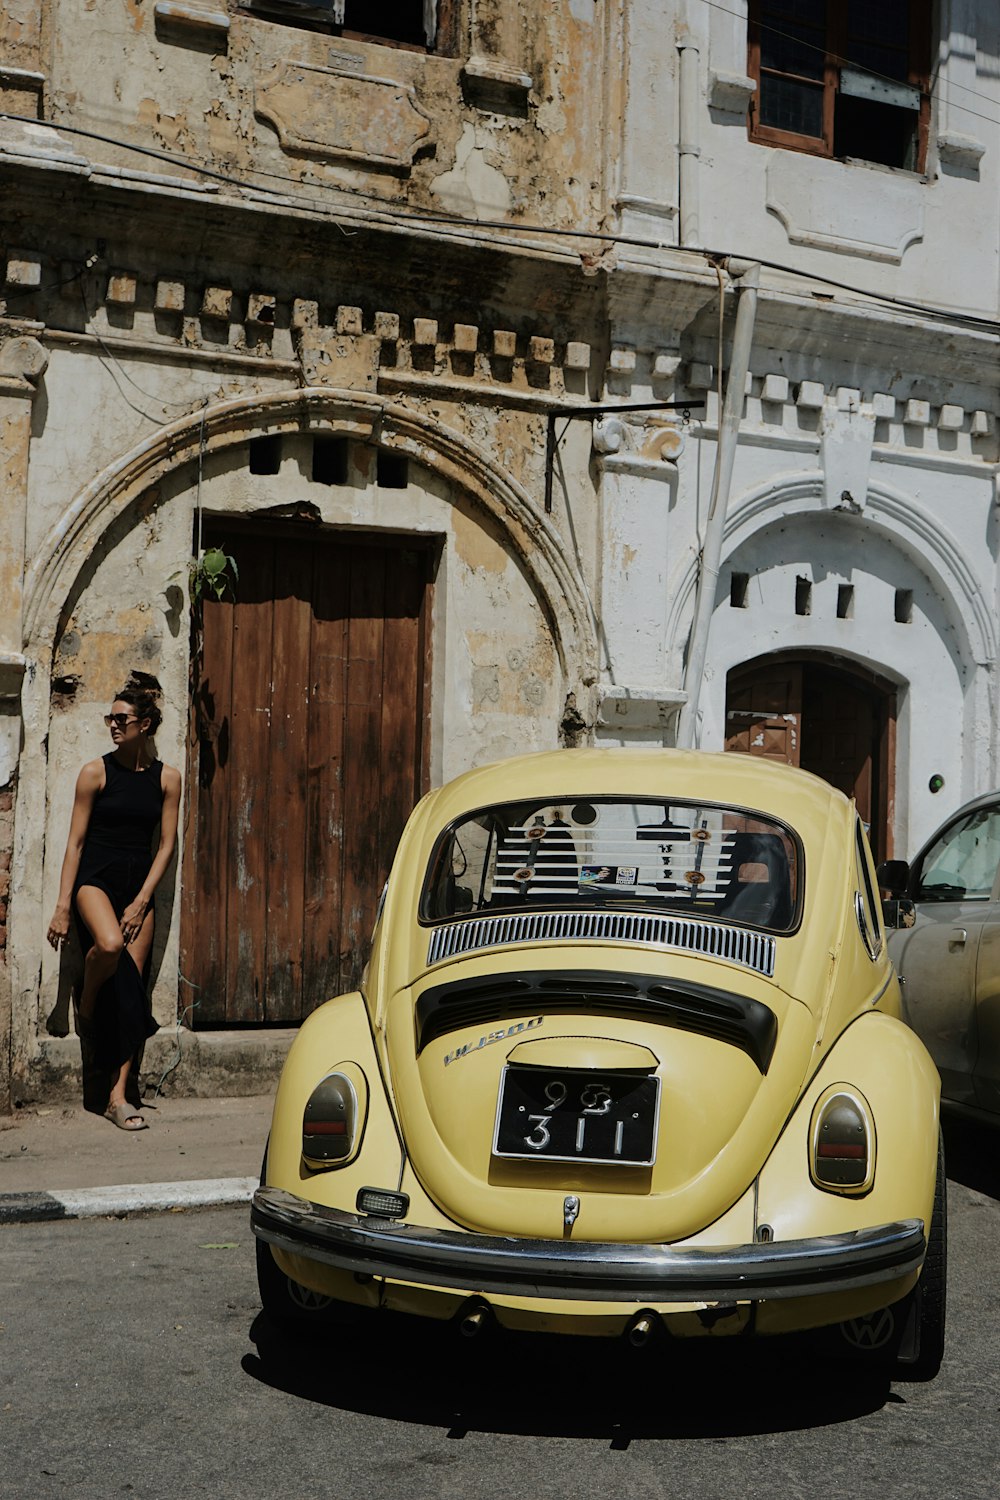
[117,1095]
[102,959]
[138,952]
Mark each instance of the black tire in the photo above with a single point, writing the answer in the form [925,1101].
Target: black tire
[286,1303]
[930,1293]
[904,1341]
[283,1300]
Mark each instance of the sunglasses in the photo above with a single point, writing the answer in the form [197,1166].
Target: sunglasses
[120,720]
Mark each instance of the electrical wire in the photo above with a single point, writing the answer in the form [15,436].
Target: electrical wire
[119,368]
[399,217]
[177,1034]
[50,286]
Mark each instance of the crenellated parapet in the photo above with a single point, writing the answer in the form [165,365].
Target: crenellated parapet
[331,340]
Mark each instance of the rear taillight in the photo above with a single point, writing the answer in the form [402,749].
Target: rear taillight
[842,1142]
[333,1120]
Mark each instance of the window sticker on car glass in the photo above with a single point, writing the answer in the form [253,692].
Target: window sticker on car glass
[609,875]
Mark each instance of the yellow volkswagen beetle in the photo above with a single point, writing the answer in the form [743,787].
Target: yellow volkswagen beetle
[628,1058]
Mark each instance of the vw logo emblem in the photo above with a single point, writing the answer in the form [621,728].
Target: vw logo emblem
[870,1332]
[306,1298]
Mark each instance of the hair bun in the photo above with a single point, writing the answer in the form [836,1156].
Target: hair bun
[144,703]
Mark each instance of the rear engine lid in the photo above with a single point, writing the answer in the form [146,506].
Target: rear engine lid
[718,1068]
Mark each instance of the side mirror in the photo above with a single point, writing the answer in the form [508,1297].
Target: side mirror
[893,876]
[898,912]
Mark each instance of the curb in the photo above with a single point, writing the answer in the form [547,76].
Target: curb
[136,1198]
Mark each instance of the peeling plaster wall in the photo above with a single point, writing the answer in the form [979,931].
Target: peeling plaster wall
[311,109]
[213,222]
[8,793]
[20,43]
[497,685]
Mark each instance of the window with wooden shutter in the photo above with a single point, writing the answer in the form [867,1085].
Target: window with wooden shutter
[842,78]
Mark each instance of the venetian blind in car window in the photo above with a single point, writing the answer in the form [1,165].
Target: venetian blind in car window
[704,860]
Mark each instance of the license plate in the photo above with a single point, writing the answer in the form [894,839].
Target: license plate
[575,1114]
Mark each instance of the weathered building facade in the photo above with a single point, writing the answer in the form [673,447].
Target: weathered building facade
[335,289]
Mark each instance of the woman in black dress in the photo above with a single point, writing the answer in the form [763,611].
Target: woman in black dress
[109,875]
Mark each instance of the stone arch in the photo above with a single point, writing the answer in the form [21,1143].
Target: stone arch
[917,534]
[531,537]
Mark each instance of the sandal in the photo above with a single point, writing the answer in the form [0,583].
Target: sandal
[125,1116]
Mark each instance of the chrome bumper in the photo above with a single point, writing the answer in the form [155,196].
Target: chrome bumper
[581,1270]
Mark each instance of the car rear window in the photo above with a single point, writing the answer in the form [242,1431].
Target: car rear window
[699,859]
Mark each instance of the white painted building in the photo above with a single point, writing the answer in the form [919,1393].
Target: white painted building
[860,532]
[326,289]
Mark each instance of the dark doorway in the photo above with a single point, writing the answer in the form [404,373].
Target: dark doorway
[826,718]
[307,753]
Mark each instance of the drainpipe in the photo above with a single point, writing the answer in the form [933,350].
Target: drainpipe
[688,145]
[747,273]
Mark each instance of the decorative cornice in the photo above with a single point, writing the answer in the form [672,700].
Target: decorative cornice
[12,669]
[213,317]
[957,150]
[209,314]
[731,92]
[637,708]
[201,21]
[490,83]
[22,364]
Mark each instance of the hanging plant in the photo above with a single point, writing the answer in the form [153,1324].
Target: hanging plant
[213,575]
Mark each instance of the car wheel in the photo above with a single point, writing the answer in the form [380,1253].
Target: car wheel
[907,1339]
[283,1300]
[929,1296]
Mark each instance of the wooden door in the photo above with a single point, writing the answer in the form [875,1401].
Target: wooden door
[825,719]
[307,754]
[839,741]
[764,711]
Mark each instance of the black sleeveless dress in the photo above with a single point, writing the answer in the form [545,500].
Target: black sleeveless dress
[116,857]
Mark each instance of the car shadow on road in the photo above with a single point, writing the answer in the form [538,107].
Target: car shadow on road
[970,1153]
[546,1385]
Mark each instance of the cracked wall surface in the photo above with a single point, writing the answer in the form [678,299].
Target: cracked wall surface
[219,230]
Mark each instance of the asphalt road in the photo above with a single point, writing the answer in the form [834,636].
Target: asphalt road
[129,1368]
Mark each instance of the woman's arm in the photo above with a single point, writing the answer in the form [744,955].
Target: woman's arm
[135,912]
[88,784]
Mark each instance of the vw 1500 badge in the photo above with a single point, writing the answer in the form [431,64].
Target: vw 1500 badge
[492,1036]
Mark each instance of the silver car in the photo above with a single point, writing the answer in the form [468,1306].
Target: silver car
[945,942]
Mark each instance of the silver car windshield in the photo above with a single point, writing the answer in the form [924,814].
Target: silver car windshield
[706,860]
